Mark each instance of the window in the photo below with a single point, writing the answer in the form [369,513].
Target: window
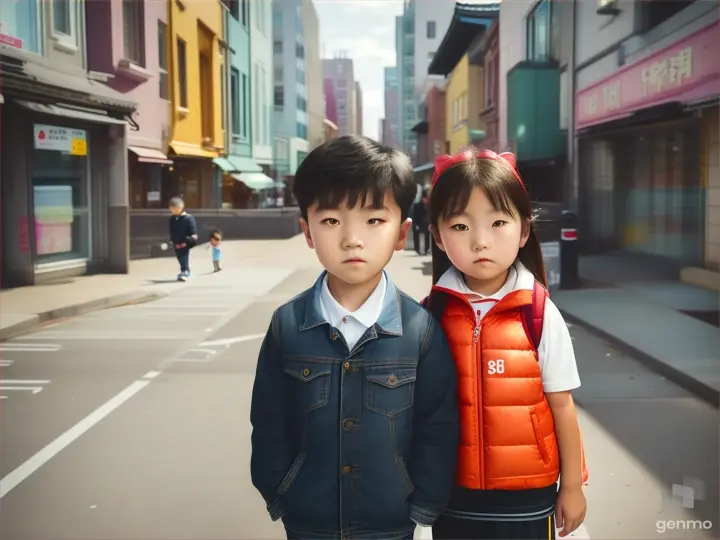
[538,33]
[21,24]
[223,105]
[245,105]
[430,30]
[264,107]
[277,46]
[431,55]
[234,8]
[62,17]
[245,12]
[162,55]
[182,73]
[134,31]
[235,101]
[278,73]
[279,97]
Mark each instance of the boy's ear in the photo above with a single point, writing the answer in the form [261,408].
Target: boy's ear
[306,231]
[402,237]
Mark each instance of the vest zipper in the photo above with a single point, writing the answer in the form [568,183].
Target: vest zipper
[478,362]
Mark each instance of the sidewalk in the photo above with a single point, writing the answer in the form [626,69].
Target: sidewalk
[644,314]
[665,323]
[24,308]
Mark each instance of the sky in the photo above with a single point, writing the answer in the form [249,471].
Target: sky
[365,29]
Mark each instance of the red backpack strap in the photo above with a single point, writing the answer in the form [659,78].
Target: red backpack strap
[534,314]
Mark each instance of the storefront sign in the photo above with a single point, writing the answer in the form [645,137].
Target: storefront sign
[11,41]
[60,139]
[658,79]
[551,259]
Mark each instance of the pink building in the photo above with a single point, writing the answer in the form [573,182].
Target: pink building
[127,42]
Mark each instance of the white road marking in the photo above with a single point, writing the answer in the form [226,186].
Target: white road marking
[24,381]
[231,341]
[6,363]
[34,389]
[151,374]
[16,346]
[15,477]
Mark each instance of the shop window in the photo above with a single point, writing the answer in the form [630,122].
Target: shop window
[61,195]
[235,100]
[431,29]
[20,24]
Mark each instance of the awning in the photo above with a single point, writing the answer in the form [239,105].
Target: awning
[191,150]
[2,99]
[149,155]
[231,163]
[469,18]
[421,127]
[67,112]
[255,180]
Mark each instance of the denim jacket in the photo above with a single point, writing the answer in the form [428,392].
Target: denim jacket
[360,443]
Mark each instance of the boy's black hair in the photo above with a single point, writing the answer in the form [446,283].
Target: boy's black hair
[216,233]
[355,168]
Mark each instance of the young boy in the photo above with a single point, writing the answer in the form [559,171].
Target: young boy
[354,408]
[183,235]
[215,241]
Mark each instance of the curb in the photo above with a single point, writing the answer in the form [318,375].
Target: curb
[118,300]
[707,393]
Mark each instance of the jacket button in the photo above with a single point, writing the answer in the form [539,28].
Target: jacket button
[346,470]
[305,372]
[392,379]
[346,365]
[348,424]
[334,336]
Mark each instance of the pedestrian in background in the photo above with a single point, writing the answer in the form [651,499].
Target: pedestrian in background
[421,230]
[215,241]
[514,354]
[354,409]
[183,235]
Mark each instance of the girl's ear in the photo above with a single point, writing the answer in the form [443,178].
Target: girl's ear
[525,234]
[436,237]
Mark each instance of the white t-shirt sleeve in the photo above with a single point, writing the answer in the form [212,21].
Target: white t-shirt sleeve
[555,353]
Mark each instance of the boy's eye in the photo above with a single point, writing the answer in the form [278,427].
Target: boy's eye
[330,221]
[375,221]
[499,223]
[459,227]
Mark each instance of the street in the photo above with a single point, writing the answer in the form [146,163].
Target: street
[133,423]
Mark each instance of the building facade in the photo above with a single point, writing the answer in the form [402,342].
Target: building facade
[261,77]
[243,184]
[128,42]
[405,62]
[197,134]
[313,76]
[341,72]
[646,126]
[358,109]
[391,124]
[431,20]
[63,160]
[290,87]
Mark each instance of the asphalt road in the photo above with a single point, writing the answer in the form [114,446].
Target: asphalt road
[140,431]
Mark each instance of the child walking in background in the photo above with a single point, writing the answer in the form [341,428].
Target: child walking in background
[513,354]
[215,241]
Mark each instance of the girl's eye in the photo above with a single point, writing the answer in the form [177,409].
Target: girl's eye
[375,221]
[459,227]
[330,221]
[499,223]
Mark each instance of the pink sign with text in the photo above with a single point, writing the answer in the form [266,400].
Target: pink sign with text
[690,64]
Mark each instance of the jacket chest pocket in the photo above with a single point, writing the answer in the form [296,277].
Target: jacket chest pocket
[307,385]
[390,392]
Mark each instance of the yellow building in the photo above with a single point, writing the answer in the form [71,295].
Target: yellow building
[462,115]
[195,30]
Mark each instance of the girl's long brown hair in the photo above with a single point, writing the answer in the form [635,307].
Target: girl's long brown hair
[451,193]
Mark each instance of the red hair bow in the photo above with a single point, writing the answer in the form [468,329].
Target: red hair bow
[442,163]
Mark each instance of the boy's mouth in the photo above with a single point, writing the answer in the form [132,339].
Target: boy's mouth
[354,260]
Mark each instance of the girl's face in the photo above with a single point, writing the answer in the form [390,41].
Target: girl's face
[482,242]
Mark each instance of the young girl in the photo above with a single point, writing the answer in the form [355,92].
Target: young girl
[514,358]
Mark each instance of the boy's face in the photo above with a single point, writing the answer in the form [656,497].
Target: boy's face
[355,244]
[176,210]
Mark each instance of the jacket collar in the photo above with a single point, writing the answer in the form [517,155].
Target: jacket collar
[390,319]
